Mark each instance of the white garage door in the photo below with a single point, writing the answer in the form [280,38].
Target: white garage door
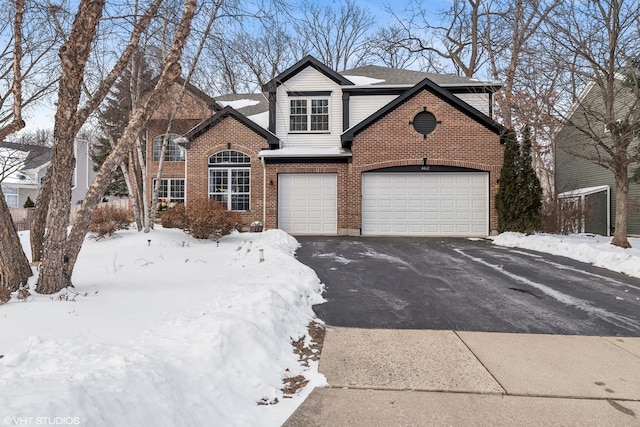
[425,204]
[307,203]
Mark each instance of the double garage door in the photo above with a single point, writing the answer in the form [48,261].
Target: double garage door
[401,204]
[425,204]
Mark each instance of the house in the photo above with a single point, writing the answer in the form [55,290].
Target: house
[581,182]
[23,167]
[369,151]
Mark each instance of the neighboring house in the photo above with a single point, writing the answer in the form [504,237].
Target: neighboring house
[584,184]
[369,151]
[23,167]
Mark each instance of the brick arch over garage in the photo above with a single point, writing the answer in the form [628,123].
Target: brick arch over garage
[459,140]
[354,182]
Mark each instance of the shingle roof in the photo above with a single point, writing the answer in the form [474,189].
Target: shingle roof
[395,76]
[425,84]
[226,112]
[37,154]
[235,101]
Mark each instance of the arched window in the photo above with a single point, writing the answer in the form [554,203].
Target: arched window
[173,153]
[230,179]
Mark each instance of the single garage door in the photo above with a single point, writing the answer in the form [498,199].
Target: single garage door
[425,204]
[307,203]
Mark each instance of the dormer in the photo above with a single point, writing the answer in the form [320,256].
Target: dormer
[305,105]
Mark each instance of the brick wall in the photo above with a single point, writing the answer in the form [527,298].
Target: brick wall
[392,141]
[272,188]
[241,138]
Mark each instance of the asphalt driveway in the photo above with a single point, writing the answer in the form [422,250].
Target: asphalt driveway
[466,285]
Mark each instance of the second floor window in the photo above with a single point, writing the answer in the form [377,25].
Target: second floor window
[309,115]
[11,196]
[173,153]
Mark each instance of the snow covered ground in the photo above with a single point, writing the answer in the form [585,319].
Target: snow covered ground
[589,248]
[166,330]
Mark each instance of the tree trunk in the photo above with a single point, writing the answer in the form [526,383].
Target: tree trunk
[39,220]
[622,195]
[54,272]
[170,73]
[14,265]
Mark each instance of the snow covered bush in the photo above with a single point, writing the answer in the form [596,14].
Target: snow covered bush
[108,219]
[174,217]
[209,219]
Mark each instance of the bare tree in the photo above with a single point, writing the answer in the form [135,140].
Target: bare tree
[55,193]
[387,47]
[337,38]
[456,36]
[14,266]
[42,137]
[597,47]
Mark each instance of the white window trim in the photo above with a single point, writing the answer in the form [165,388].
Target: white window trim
[229,170]
[172,136]
[229,167]
[169,182]
[309,99]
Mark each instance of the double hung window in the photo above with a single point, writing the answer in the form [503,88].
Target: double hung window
[11,196]
[309,115]
[171,189]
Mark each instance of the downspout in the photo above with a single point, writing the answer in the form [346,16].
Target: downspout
[264,194]
[186,175]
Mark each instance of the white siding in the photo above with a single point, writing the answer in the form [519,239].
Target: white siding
[306,80]
[479,101]
[361,107]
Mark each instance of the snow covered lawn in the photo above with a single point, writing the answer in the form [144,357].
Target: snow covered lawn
[166,330]
[592,249]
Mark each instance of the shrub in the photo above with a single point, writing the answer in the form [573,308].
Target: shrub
[208,219]
[29,203]
[108,219]
[174,217]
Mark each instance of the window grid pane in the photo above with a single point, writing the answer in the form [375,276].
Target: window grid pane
[231,186]
[320,114]
[171,189]
[173,153]
[11,196]
[229,157]
[298,115]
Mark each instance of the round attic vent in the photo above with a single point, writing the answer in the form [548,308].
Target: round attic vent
[424,123]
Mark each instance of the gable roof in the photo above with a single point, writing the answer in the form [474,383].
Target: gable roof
[307,61]
[37,155]
[445,95]
[230,112]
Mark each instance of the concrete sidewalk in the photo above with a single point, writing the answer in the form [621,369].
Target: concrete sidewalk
[426,378]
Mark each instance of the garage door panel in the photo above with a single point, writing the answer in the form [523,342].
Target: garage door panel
[425,204]
[307,203]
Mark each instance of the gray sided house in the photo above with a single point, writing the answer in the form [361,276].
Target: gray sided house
[581,181]
[23,167]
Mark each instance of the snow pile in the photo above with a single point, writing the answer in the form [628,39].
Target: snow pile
[364,81]
[239,103]
[166,330]
[593,249]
